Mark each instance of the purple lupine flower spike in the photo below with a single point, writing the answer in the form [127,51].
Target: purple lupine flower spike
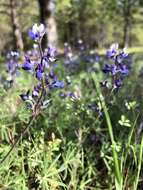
[37,32]
[120,68]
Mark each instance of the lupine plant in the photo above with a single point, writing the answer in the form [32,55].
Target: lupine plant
[41,68]
[81,133]
[12,62]
[12,68]
[81,58]
[118,69]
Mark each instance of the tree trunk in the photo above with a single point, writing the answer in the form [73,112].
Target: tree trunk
[17,36]
[126,33]
[47,18]
[127,22]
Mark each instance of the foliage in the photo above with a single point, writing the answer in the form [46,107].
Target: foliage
[71,119]
[68,146]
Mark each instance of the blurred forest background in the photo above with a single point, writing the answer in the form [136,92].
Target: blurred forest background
[97,22]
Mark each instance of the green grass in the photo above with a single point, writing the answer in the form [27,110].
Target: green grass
[68,147]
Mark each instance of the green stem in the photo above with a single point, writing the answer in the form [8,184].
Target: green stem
[139,165]
[118,176]
[34,114]
[18,139]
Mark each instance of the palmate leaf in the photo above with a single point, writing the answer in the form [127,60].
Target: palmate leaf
[131,105]
[124,121]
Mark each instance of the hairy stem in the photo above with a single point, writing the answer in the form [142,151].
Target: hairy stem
[17,140]
[35,113]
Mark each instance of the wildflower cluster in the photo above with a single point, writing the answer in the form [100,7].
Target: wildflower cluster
[81,59]
[118,68]
[12,69]
[40,66]
[71,60]
[12,62]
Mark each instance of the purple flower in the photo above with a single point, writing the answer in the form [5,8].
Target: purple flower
[107,68]
[57,84]
[53,76]
[26,96]
[47,80]
[36,90]
[39,74]
[114,69]
[97,58]
[37,32]
[118,83]
[27,65]
[124,69]
[124,53]
[39,71]
[35,93]
[62,95]
[51,55]
[121,57]
[12,62]
[112,51]
[52,52]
